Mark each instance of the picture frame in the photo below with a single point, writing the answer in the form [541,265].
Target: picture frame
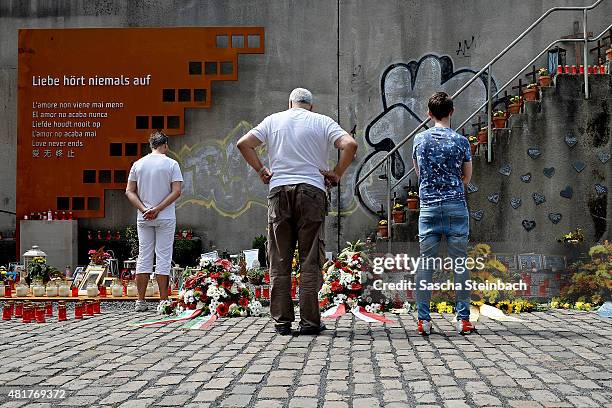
[108,281]
[554,262]
[250,256]
[509,260]
[530,261]
[77,276]
[94,274]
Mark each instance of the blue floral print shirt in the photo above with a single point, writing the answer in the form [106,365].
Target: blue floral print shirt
[440,153]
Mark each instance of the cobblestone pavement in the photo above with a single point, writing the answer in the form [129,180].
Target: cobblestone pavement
[554,359]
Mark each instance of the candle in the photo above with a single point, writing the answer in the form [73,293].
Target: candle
[49,309]
[78,310]
[7,291]
[26,314]
[52,290]
[75,292]
[89,310]
[116,289]
[102,290]
[61,312]
[132,291]
[92,290]
[63,289]
[6,311]
[18,309]
[21,290]
[96,307]
[40,315]
[2,289]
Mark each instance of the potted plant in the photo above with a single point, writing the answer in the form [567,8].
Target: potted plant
[544,77]
[499,119]
[399,215]
[515,105]
[413,200]
[383,229]
[473,144]
[483,135]
[531,93]
[255,276]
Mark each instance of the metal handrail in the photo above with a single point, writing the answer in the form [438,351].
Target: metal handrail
[501,89]
[478,74]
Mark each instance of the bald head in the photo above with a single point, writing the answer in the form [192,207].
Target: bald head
[300,98]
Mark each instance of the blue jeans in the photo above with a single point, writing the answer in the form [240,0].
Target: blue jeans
[451,219]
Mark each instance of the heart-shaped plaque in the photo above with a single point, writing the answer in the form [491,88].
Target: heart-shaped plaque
[515,202]
[477,215]
[579,165]
[506,169]
[526,178]
[555,217]
[494,198]
[603,157]
[534,152]
[538,198]
[549,171]
[601,189]
[472,188]
[571,140]
[529,224]
[567,192]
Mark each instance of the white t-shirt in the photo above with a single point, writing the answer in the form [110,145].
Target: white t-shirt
[154,175]
[298,144]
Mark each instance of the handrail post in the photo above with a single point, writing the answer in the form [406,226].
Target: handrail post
[584,53]
[490,115]
[389,225]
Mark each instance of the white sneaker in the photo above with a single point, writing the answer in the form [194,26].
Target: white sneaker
[141,306]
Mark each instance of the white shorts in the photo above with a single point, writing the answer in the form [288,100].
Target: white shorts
[155,237]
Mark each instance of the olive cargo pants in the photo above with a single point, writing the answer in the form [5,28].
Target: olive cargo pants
[296,213]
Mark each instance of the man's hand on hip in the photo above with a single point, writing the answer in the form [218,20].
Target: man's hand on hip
[265,175]
[332,179]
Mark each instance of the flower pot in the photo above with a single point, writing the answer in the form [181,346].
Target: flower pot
[499,122]
[545,80]
[383,231]
[483,136]
[531,94]
[399,216]
[473,149]
[514,108]
[413,203]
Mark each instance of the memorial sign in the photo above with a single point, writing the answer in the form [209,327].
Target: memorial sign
[89,98]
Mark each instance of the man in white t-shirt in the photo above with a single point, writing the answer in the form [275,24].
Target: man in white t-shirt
[299,144]
[153,186]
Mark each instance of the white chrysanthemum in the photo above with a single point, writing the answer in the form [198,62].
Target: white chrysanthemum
[339,299]
[233,308]
[255,308]
[200,304]
[234,289]
[213,305]
[351,302]
[346,278]
[208,281]
[325,289]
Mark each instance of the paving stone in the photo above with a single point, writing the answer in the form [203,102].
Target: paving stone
[236,401]
[366,403]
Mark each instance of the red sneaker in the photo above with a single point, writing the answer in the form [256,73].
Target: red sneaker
[424,327]
[465,327]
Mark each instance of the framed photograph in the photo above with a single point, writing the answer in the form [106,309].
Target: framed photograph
[530,261]
[212,256]
[554,262]
[77,276]
[93,274]
[108,281]
[250,256]
[509,261]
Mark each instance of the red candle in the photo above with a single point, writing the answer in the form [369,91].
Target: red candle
[258,292]
[102,290]
[590,69]
[49,309]
[582,69]
[96,307]
[567,69]
[26,314]
[12,307]
[40,315]
[559,69]
[18,309]
[61,313]
[6,312]
[8,291]
[78,310]
[75,292]
[602,69]
[266,293]
[574,70]
[89,309]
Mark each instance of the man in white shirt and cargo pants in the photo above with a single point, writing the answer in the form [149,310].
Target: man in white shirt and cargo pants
[153,186]
[298,143]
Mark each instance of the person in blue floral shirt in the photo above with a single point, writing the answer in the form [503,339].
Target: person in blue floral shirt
[443,163]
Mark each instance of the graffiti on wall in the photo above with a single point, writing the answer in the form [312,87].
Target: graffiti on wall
[405,89]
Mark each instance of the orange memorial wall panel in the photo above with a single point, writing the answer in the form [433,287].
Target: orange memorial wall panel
[89,98]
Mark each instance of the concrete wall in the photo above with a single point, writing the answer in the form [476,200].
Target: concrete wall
[369,63]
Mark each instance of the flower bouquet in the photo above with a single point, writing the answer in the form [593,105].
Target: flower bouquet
[98,257]
[342,286]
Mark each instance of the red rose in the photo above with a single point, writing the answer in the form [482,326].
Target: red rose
[324,302]
[337,264]
[244,302]
[356,286]
[336,286]
[222,310]
[352,296]
[215,275]
[355,257]
[227,285]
